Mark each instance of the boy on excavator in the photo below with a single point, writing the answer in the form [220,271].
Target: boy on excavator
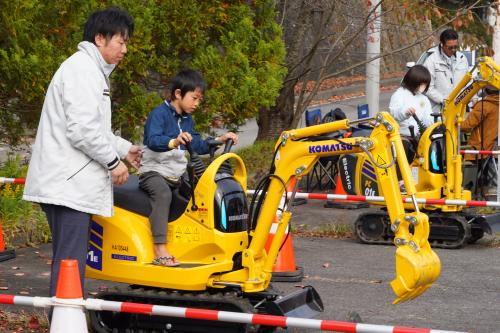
[169,127]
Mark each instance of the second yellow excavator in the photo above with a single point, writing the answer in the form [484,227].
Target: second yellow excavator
[438,164]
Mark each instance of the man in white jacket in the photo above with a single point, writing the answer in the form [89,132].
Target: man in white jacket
[76,158]
[447,67]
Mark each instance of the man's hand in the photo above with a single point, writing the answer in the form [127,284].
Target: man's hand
[119,175]
[134,156]
[227,136]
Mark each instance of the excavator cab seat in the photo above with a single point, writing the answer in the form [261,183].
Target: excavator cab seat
[132,198]
[437,151]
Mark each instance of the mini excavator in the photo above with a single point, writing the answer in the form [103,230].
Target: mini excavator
[439,166]
[220,239]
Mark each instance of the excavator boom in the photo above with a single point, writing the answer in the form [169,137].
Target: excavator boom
[488,73]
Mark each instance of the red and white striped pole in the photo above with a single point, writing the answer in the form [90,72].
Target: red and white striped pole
[4,180]
[373,198]
[480,152]
[215,315]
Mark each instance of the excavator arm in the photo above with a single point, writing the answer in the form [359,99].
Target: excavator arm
[488,73]
[296,152]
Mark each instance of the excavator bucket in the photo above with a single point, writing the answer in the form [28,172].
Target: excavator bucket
[415,271]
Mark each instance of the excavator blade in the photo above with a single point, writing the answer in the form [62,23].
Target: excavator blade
[415,272]
[303,303]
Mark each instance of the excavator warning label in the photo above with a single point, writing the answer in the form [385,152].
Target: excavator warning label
[380,160]
[184,233]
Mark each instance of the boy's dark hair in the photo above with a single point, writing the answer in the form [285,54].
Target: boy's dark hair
[448,34]
[415,76]
[108,22]
[186,80]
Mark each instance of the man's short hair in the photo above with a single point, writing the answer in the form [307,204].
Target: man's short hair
[108,22]
[448,34]
[415,76]
[186,80]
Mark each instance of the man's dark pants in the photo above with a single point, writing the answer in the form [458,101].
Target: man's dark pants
[70,236]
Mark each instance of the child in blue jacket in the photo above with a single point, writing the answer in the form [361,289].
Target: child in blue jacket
[168,128]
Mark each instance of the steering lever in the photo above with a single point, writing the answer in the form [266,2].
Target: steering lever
[190,171]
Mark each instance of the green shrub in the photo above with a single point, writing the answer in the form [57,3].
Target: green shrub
[257,158]
[23,222]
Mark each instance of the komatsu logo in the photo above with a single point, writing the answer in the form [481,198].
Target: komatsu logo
[329,148]
[238,217]
[463,94]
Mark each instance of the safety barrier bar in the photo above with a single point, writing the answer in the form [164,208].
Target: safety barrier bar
[373,198]
[212,315]
[4,180]
[480,152]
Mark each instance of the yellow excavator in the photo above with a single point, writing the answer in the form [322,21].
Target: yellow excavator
[438,164]
[220,239]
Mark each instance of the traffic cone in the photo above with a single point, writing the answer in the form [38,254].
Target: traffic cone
[5,254]
[284,269]
[344,204]
[68,318]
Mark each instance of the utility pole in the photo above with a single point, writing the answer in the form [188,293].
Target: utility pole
[494,20]
[373,50]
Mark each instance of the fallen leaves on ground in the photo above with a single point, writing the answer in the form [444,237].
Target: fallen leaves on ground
[22,322]
[335,232]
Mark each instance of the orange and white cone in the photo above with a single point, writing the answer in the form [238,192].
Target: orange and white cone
[284,269]
[5,254]
[68,314]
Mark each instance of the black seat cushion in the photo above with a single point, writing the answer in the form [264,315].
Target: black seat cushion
[130,197]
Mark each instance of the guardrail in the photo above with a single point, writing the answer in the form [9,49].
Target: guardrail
[373,198]
[480,152]
[212,315]
[362,198]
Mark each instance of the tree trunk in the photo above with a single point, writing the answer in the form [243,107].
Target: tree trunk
[274,120]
